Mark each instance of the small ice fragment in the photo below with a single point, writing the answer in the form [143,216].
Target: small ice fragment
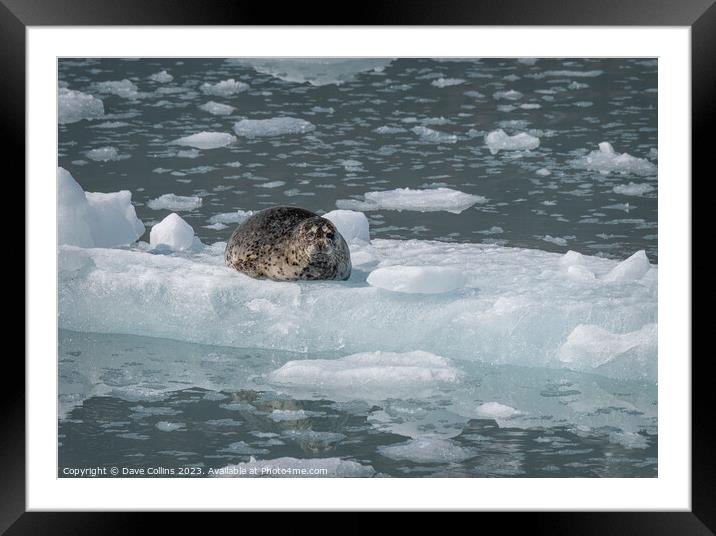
[633,189]
[174,202]
[495,410]
[447,82]
[207,140]
[74,106]
[172,232]
[631,269]
[430,200]
[351,224]
[276,126]
[433,136]
[225,88]
[216,108]
[162,77]
[498,140]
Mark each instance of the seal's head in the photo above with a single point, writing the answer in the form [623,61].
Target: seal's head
[323,248]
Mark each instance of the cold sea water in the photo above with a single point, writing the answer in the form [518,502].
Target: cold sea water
[528,361]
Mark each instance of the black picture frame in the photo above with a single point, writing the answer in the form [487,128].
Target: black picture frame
[699,15]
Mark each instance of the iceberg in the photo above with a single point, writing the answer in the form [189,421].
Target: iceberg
[206,140]
[432,200]
[314,71]
[175,202]
[517,306]
[172,233]
[215,108]
[606,160]
[93,219]
[225,88]
[276,126]
[498,140]
[351,224]
[74,106]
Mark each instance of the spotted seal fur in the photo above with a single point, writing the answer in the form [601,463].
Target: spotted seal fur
[288,244]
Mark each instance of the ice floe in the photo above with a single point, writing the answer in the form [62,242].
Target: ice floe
[121,88]
[225,88]
[314,71]
[427,449]
[216,108]
[447,82]
[606,160]
[174,202]
[433,136]
[518,306]
[206,140]
[172,233]
[499,140]
[633,189]
[105,154]
[74,106]
[276,126]
[370,375]
[431,200]
[89,219]
[162,77]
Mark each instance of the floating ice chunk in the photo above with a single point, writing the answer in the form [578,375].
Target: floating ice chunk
[216,108]
[527,61]
[166,426]
[162,77]
[447,82]
[74,106]
[633,189]
[417,279]
[225,88]
[231,217]
[433,136]
[207,140]
[575,74]
[606,161]
[175,202]
[298,468]
[433,200]
[589,346]
[122,88]
[373,375]
[173,233]
[633,268]
[498,140]
[105,154]
[276,126]
[270,184]
[72,212]
[428,450]
[495,410]
[315,71]
[389,130]
[95,219]
[543,172]
[510,94]
[351,224]
[557,240]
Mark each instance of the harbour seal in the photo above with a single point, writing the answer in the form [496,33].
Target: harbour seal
[288,244]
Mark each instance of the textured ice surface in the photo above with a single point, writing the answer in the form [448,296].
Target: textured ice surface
[276,126]
[173,233]
[417,279]
[633,189]
[437,199]
[631,269]
[216,108]
[351,224]
[499,140]
[294,467]
[95,219]
[428,449]
[207,140]
[371,375]
[225,88]
[433,136]
[175,202]
[73,106]
[606,160]
[518,306]
[315,71]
